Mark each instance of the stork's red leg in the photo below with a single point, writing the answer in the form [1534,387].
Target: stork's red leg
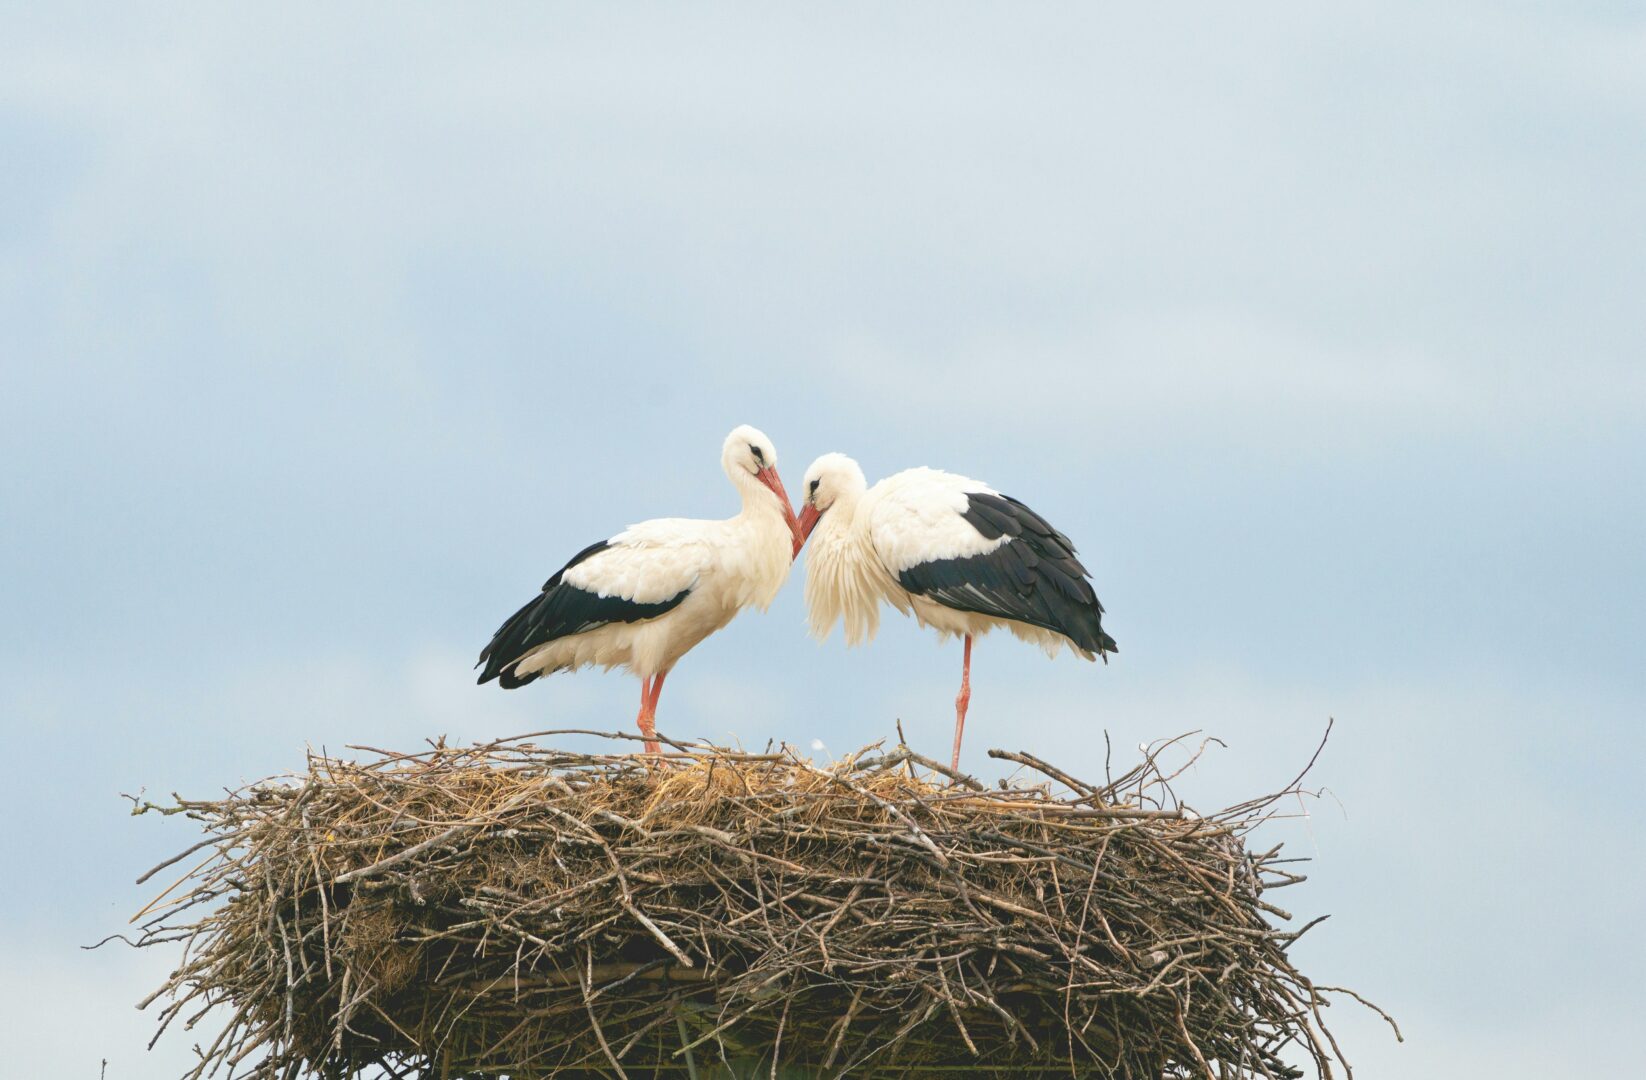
[961,700]
[648,713]
[657,692]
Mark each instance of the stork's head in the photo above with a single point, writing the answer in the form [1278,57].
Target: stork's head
[830,479]
[748,453]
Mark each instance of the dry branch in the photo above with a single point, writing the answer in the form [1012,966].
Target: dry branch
[522,911]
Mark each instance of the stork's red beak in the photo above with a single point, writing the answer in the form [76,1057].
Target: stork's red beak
[808,521]
[769,477]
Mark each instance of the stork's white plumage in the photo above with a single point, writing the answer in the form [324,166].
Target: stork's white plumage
[961,557]
[645,597]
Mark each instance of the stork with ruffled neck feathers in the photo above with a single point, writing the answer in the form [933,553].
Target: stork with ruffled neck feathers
[958,555]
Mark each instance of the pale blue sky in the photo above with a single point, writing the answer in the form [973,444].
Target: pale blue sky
[325,337]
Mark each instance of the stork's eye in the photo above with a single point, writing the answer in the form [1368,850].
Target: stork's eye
[814,487]
[759,458]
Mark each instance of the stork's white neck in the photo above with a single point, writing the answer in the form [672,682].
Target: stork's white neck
[757,498]
[759,550]
[841,581]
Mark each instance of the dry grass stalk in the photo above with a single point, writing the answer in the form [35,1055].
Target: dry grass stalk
[516,910]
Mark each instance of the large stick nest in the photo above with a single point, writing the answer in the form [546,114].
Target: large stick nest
[517,910]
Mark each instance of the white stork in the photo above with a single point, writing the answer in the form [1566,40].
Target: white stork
[643,598]
[962,557]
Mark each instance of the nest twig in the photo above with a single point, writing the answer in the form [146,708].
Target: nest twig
[522,911]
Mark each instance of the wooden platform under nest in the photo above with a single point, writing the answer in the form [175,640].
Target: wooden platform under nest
[518,910]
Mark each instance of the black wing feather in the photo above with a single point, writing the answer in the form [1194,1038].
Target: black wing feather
[560,610]
[1033,578]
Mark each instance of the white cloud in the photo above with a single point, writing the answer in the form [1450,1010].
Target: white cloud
[1182,378]
[1238,246]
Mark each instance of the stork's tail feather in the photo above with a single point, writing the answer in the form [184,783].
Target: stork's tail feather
[509,645]
[1093,642]
[508,678]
